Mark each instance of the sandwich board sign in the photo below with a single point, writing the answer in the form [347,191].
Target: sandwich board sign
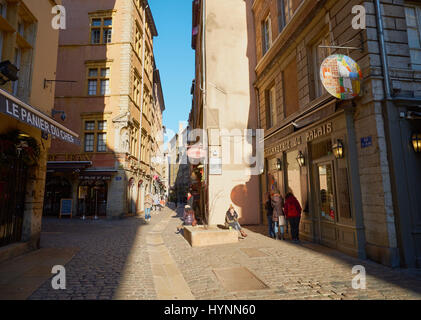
[66,207]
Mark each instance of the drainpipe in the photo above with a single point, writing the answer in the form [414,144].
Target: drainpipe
[143,82]
[264,160]
[383,53]
[203,90]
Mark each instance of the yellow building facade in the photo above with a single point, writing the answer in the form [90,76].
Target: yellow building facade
[29,43]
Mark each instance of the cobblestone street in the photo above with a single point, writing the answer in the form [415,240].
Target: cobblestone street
[115,259]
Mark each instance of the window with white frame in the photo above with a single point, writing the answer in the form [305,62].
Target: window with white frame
[95,134]
[98,81]
[266,34]
[413,22]
[101,30]
[319,55]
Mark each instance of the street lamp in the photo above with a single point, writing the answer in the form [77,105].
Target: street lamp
[338,149]
[8,72]
[279,164]
[416,142]
[301,159]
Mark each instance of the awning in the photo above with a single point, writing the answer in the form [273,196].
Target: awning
[13,107]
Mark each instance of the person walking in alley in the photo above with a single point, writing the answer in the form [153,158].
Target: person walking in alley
[278,215]
[156,203]
[231,221]
[269,214]
[293,211]
[148,206]
[189,219]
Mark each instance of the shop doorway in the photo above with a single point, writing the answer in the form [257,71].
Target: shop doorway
[335,225]
[56,188]
[132,196]
[325,203]
[13,179]
[92,198]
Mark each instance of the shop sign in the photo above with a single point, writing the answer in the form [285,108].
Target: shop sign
[34,118]
[94,178]
[341,76]
[309,136]
[319,132]
[70,157]
[285,145]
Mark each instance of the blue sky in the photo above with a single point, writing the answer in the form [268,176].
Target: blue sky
[174,57]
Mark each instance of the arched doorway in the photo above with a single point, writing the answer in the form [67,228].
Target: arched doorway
[140,196]
[56,188]
[92,198]
[131,196]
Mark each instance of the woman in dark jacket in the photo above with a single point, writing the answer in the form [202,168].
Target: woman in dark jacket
[269,214]
[292,209]
[231,220]
[278,214]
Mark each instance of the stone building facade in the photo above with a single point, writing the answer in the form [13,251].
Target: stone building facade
[178,168]
[224,106]
[115,104]
[27,41]
[364,203]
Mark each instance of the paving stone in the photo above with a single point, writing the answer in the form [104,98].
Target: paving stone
[118,260]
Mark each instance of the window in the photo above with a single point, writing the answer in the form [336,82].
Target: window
[95,135]
[89,142]
[272,110]
[18,57]
[290,81]
[102,125]
[138,41]
[136,89]
[90,125]
[133,142]
[102,142]
[318,56]
[286,9]
[101,30]
[413,22]
[3,8]
[105,87]
[98,78]
[267,34]
[18,20]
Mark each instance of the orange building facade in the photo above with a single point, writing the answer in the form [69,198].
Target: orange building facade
[112,96]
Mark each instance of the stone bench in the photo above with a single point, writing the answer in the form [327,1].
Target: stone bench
[199,236]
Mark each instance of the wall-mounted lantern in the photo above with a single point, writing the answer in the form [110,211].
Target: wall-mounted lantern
[8,72]
[338,149]
[301,159]
[416,142]
[279,164]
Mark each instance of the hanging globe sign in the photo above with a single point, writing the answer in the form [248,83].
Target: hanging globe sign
[341,76]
